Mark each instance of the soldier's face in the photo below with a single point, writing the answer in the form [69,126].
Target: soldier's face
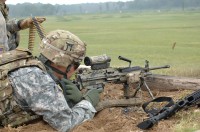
[71,72]
[63,69]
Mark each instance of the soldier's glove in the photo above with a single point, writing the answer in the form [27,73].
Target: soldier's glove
[28,22]
[92,96]
[72,92]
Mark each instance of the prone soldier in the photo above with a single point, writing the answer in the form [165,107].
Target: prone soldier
[32,88]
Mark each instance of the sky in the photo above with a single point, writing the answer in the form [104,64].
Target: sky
[61,1]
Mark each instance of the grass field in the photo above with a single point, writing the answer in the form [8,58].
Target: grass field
[137,36]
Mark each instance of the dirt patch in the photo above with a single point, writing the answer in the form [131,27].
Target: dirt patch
[116,119]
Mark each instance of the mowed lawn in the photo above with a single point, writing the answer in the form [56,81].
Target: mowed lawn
[138,37]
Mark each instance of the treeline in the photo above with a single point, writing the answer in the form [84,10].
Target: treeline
[28,9]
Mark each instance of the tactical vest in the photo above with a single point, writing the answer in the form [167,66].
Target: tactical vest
[10,113]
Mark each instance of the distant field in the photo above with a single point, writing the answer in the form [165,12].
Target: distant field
[137,36]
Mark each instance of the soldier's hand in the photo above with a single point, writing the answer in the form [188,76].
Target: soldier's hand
[72,91]
[92,96]
[28,22]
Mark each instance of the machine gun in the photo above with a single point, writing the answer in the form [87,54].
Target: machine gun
[168,110]
[101,73]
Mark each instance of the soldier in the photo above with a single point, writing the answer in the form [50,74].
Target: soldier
[27,91]
[14,26]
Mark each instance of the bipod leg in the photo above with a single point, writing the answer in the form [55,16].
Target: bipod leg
[138,88]
[149,91]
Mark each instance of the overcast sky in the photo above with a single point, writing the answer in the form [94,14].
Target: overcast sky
[60,1]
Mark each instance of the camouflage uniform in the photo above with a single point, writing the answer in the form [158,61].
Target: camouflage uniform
[13,34]
[26,90]
[36,91]
[12,28]
[3,37]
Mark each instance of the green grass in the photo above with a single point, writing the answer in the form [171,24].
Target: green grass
[137,36]
[189,121]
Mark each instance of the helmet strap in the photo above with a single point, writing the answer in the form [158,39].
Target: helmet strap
[58,71]
[47,64]
[43,59]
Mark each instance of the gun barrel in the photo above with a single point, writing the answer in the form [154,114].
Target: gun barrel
[159,67]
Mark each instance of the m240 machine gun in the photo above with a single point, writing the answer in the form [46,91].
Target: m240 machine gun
[101,73]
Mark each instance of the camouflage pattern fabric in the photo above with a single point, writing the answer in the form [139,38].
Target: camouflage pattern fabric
[10,113]
[63,48]
[12,28]
[3,37]
[4,10]
[13,34]
[35,90]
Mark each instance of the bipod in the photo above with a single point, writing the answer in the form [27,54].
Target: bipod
[141,83]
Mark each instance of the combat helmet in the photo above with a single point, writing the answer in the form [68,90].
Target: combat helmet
[62,48]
